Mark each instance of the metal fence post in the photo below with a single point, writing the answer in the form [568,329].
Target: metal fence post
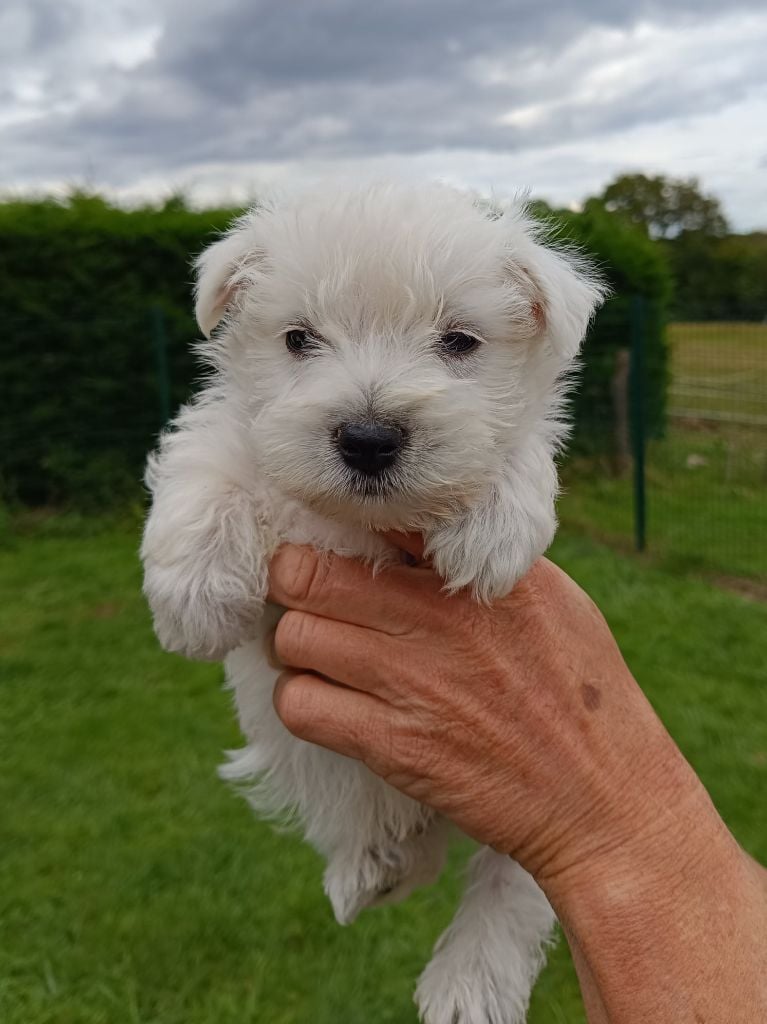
[638,415]
[160,344]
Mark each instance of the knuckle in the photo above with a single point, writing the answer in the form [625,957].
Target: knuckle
[427,761]
[532,609]
[426,608]
[294,703]
[409,742]
[292,635]
[305,576]
[381,748]
[543,577]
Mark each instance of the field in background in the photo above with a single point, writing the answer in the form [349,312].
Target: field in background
[707,477]
[138,890]
[719,370]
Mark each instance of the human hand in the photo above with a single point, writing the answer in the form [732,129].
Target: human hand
[520,721]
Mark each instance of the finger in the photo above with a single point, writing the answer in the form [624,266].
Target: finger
[344,589]
[349,654]
[411,543]
[347,721]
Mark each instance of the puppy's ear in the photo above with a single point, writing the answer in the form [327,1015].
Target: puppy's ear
[563,290]
[222,269]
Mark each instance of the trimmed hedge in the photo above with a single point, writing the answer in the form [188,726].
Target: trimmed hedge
[639,275]
[79,282]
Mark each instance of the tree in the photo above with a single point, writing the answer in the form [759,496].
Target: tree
[664,207]
[720,278]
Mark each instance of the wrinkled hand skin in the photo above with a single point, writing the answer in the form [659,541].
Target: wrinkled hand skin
[471,710]
[521,722]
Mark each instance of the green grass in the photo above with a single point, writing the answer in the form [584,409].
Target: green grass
[138,889]
[697,519]
[719,367]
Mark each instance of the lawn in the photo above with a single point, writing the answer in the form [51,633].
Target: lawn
[137,889]
[697,519]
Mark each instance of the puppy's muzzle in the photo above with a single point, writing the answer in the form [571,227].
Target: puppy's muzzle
[369,448]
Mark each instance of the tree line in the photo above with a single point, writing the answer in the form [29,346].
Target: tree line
[718,274]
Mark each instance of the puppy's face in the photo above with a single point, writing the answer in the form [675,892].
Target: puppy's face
[387,347]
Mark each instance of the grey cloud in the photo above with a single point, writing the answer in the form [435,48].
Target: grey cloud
[51,21]
[322,78]
[239,47]
[341,41]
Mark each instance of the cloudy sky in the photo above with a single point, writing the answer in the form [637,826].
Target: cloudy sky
[141,97]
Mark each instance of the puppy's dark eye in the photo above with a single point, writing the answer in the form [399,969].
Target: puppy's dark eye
[299,342]
[456,343]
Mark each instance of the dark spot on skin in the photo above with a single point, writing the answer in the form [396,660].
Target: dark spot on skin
[699,1019]
[592,698]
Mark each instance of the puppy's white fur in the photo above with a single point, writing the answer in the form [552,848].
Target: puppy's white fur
[377,276]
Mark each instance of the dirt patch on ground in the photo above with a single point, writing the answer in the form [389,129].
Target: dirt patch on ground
[755,590]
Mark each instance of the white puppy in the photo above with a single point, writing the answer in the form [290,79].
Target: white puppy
[386,357]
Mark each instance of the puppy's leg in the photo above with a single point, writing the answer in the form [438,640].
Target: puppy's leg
[378,843]
[207,540]
[485,965]
[373,869]
[495,542]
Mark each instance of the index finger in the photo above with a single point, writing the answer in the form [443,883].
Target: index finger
[347,590]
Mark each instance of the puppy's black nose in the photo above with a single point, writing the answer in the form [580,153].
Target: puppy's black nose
[369,447]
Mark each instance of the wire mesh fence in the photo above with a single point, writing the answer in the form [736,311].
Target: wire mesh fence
[714,461]
[84,400]
[688,485]
[705,472]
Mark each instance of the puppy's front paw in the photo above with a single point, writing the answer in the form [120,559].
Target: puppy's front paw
[205,570]
[489,548]
[202,619]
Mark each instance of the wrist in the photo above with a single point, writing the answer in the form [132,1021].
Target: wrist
[666,829]
[652,918]
[675,942]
